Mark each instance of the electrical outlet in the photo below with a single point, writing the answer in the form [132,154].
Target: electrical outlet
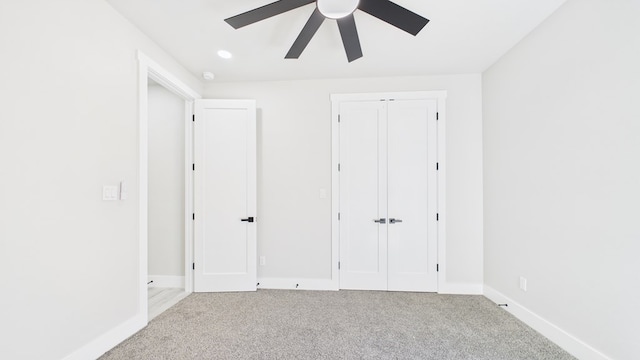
[263,260]
[523,283]
[323,193]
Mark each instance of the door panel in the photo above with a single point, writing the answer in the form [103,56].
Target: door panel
[363,243]
[225,246]
[411,190]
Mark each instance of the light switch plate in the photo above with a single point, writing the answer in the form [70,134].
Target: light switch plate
[109,193]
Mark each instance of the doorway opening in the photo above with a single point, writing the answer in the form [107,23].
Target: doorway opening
[167,186]
[166,189]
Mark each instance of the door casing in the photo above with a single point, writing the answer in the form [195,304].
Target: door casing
[149,69]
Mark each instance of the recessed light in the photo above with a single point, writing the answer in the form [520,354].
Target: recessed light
[224,54]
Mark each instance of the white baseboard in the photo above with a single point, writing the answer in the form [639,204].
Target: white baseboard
[109,340]
[460,289]
[331,285]
[164,281]
[297,284]
[568,342]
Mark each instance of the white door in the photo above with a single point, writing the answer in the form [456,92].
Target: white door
[388,195]
[225,196]
[363,237]
[411,195]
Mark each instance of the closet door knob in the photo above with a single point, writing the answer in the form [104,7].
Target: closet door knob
[393,221]
[381,221]
[249,219]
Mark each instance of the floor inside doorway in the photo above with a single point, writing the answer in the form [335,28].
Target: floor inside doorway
[161,299]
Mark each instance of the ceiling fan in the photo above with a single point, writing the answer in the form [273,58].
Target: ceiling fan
[340,10]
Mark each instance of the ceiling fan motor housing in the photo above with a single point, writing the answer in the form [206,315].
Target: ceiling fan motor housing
[337,9]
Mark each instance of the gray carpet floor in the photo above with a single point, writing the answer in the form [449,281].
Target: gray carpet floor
[281,324]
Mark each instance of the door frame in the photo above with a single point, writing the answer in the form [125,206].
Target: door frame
[149,69]
[440,96]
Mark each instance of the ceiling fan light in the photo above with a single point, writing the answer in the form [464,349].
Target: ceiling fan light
[337,9]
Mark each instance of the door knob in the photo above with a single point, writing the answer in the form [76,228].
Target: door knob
[393,221]
[249,219]
[381,221]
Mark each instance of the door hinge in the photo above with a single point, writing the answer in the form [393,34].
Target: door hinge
[193,266]
[338,216]
[338,118]
[338,167]
[194,167]
[193,216]
[338,265]
[437,267]
[438,217]
[437,116]
[437,166]
[193,118]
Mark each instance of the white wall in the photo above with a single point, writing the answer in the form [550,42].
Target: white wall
[166,183]
[68,126]
[562,174]
[294,163]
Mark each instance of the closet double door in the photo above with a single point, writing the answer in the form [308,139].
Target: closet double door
[388,195]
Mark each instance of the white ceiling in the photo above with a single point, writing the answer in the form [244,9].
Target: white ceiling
[464,36]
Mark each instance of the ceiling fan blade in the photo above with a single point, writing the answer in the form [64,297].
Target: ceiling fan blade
[306,34]
[265,12]
[395,15]
[350,39]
